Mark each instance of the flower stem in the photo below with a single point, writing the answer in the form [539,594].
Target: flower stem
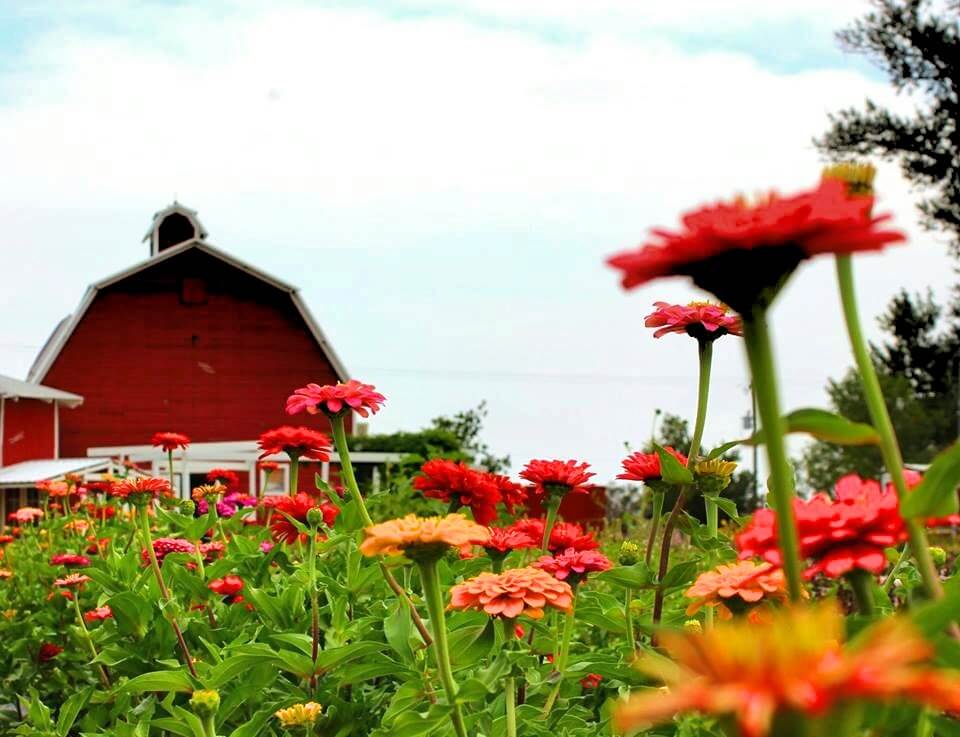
[756,334]
[209,726]
[510,686]
[657,500]
[553,507]
[314,607]
[705,352]
[170,470]
[628,618]
[889,448]
[862,585]
[563,655]
[294,484]
[346,471]
[430,579]
[164,591]
[104,676]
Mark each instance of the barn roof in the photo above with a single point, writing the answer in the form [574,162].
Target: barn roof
[28,473]
[64,330]
[16,389]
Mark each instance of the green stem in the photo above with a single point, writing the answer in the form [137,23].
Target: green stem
[104,676]
[510,686]
[553,507]
[294,484]
[756,336]
[564,654]
[889,448]
[164,591]
[170,470]
[862,584]
[654,524]
[628,618]
[430,579]
[888,581]
[705,353]
[209,726]
[314,608]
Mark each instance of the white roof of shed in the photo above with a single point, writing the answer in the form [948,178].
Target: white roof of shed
[16,389]
[28,473]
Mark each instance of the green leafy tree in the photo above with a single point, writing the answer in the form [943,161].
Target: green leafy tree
[917,45]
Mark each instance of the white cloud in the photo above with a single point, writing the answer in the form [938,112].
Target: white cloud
[457,184]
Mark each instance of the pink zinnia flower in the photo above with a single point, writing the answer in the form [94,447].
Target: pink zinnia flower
[336,398]
[700,320]
[573,564]
[69,560]
[99,614]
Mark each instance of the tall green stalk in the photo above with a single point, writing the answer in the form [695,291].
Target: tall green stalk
[314,607]
[756,335]
[889,448]
[564,654]
[657,499]
[553,507]
[104,677]
[346,471]
[703,397]
[170,470]
[294,485]
[510,685]
[430,579]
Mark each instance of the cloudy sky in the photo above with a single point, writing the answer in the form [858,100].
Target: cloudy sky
[443,180]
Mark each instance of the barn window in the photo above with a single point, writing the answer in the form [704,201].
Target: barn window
[193,291]
[175,228]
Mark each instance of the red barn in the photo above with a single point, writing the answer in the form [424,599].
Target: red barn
[192,340]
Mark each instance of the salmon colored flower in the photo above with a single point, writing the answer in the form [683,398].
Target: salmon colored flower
[4,573]
[742,251]
[734,587]
[512,593]
[73,581]
[841,535]
[505,539]
[573,565]
[99,614]
[455,482]
[141,489]
[296,442]
[55,489]
[641,466]
[408,534]
[283,530]
[561,477]
[170,441]
[225,476]
[69,560]
[794,662]
[334,399]
[214,490]
[25,515]
[705,321]
[300,715]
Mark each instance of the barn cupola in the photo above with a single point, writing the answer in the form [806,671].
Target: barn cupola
[173,225]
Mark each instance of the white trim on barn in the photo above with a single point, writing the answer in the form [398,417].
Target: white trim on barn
[64,330]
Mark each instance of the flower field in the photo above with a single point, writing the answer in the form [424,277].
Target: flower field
[125,611]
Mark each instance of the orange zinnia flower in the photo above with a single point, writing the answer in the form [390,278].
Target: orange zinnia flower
[793,664]
[141,488]
[73,581]
[736,586]
[397,536]
[512,593]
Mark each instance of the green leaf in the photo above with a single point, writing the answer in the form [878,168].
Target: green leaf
[70,709]
[671,470]
[397,628]
[727,505]
[830,427]
[680,575]
[161,680]
[629,577]
[132,613]
[936,495]
[469,644]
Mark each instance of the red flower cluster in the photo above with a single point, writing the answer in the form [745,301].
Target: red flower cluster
[700,320]
[70,560]
[170,441]
[738,250]
[229,587]
[646,466]
[841,535]
[282,529]
[296,442]
[99,614]
[225,476]
[164,546]
[563,535]
[336,398]
[139,488]
[450,481]
[573,565]
[591,680]
[504,539]
[565,476]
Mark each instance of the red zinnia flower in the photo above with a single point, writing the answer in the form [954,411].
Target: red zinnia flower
[591,680]
[451,481]
[700,320]
[99,614]
[48,651]
[646,466]
[570,535]
[840,535]
[296,442]
[268,466]
[69,560]
[225,476]
[573,564]
[73,581]
[228,586]
[531,526]
[4,539]
[139,488]
[209,551]
[163,546]
[739,250]
[283,530]
[511,493]
[565,476]
[504,539]
[170,441]
[336,398]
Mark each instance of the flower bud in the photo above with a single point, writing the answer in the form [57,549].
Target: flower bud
[315,517]
[939,556]
[629,553]
[187,507]
[693,626]
[205,703]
